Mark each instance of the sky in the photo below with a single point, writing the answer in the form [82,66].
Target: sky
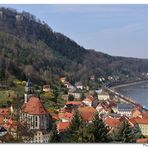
[120,30]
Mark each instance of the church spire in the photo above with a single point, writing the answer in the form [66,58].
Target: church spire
[29,90]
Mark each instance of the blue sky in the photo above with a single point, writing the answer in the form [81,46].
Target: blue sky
[114,29]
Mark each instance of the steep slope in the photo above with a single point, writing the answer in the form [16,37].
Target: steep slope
[29,48]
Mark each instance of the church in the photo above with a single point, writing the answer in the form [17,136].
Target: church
[37,117]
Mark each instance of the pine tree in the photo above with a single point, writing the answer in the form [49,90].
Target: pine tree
[94,132]
[99,130]
[125,134]
[54,136]
[88,135]
[76,122]
[74,132]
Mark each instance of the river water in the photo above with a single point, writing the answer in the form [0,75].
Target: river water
[138,92]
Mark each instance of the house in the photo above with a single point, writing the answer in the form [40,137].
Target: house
[102,110]
[88,101]
[79,85]
[125,109]
[71,105]
[135,112]
[77,95]
[65,116]
[11,126]
[113,122]
[87,113]
[5,111]
[69,86]
[144,115]
[63,79]
[62,126]
[5,114]
[103,96]
[46,88]
[141,123]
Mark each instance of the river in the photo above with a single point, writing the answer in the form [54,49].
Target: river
[138,92]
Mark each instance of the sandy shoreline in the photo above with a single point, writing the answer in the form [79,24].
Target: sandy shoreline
[129,84]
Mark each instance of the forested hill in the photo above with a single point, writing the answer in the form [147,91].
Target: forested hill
[30,48]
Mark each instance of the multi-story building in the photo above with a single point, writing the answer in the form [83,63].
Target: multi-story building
[141,123]
[103,96]
[125,109]
[37,117]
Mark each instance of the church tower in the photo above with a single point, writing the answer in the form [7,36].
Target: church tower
[29,91]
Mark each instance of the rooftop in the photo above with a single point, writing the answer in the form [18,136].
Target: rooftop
[61,126]
[34,107]
[65,115]
[113,122]
[5,111]
[87,113]
[143,140]
[73,103]
[125,106]
[1,120]
[103,93]
[138,120]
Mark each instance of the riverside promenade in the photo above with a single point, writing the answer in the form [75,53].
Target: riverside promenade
[127,99]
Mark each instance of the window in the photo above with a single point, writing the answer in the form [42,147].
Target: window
[36,121]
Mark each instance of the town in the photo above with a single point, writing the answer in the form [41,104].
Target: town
[37,119]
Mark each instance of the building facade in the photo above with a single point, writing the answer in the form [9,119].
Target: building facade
[35,115]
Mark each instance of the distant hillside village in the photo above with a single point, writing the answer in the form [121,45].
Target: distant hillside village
[84,115]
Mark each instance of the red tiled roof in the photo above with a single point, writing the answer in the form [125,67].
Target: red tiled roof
[73,103]
[1,119]
[87,113]
[10,124]
[66,115]
[113,122]
[143,140]
[5,111]
[138,120]
[144,115]
[34,107]
[61,126]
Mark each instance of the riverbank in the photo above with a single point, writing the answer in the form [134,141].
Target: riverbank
[128,84]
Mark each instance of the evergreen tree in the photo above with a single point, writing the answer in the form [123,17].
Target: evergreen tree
[125,134]
[71,98]
[99,130]
[54,136]
[88,135]
[73,133]
[76,122]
